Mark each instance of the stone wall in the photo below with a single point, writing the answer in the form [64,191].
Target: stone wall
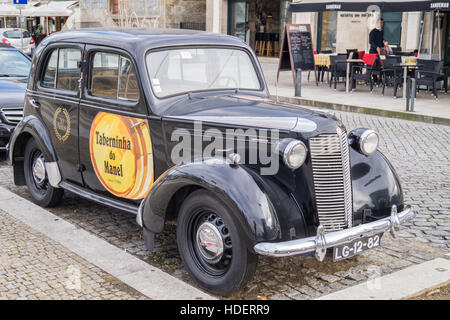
[177,11]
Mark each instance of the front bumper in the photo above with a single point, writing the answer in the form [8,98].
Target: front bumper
[322,241]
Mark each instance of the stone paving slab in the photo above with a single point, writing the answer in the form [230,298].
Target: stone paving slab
[399,285]
[33,266]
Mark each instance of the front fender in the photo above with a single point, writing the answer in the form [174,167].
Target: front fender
[31,126]
[376,187]
[233,184]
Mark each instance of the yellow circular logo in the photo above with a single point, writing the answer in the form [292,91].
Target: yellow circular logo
[61,124]
[121,154]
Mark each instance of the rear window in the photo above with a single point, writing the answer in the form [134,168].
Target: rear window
[113,76]
[16,34]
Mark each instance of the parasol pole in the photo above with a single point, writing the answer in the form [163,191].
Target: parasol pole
[438,34]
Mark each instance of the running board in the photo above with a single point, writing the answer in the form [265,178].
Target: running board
[102,200]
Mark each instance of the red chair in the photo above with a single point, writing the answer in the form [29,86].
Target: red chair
[372,64]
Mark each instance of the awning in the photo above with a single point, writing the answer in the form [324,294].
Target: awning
[51,9]
[8,10]
[363,6]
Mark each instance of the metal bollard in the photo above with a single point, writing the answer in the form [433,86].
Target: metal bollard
[298,83]
[413,93]
[408,85]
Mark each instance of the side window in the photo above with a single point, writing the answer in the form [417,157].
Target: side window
[113,76]
[105,73]
[49,80]
[128,88]
[62,70]
[68,69]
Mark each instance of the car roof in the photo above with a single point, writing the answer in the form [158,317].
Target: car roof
[135,39]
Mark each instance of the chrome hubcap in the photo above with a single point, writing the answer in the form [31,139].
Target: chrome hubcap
[210,242]
[39,173]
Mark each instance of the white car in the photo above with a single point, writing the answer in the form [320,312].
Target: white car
[18,38]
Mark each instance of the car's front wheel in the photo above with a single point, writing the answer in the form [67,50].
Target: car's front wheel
[36,177]
[211,247]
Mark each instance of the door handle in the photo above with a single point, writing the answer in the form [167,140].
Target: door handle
[35,104]
[137,124]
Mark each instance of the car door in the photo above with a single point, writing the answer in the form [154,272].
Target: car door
[57,97]
[115,144]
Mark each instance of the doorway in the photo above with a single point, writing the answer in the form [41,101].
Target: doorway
[237,19]
[392,29]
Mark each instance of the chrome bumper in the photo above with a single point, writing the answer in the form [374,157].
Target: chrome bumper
[322,241]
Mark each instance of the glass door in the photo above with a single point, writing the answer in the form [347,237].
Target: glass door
[237,19]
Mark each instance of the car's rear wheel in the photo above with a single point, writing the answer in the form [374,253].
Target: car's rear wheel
[36,177]
[211,247]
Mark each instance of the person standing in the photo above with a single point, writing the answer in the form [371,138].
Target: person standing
[376,38]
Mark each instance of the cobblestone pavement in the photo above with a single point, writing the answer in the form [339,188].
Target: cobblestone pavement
[33,266]
[419,152]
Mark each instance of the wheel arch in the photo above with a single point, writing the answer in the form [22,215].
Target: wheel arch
[29,128]
[248,198]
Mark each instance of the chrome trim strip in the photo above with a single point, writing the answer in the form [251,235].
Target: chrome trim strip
[322,241]
[53,174]
[348,193]
[283,123]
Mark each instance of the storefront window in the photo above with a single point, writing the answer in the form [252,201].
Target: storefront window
[238,19]
[327,31]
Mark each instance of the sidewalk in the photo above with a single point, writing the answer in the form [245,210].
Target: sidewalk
[426,108]
[32,266]
[45,257]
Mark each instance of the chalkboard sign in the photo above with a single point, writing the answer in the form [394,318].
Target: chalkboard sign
[297,50]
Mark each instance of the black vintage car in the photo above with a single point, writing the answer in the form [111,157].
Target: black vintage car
[180,125]
[14,70]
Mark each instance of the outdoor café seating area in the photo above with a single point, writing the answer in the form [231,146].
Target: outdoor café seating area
[357,68]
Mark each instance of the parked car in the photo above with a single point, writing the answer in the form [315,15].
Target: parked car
[178,125]
[18,38]
[14,70]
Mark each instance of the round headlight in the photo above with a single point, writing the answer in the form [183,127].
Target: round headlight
[368,142]
[294,154]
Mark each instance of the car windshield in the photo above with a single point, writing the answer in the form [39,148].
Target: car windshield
[13,64]
[178,71]
[16,34]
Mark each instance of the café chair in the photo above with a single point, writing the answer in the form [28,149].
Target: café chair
[258,43]
[372,65]
[392,73]
[429,73]
[338,68]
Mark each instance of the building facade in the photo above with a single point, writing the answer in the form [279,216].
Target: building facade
[333,31]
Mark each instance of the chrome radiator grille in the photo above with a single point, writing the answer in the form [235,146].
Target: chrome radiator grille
[332,184]
[13,115]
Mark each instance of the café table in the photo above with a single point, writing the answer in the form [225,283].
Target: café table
[347,81]
[322,60]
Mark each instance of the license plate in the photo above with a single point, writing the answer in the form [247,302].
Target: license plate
[355,247]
